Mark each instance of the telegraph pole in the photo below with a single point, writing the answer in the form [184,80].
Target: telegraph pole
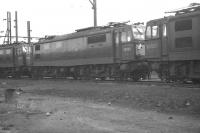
[9,41]
[94,7]
[16,27]
[10,28]
[28,32]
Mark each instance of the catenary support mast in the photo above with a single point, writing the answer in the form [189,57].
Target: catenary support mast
[16,27]
[94,7]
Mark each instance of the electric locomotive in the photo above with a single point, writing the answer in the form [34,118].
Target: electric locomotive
[173,45]
[104,52]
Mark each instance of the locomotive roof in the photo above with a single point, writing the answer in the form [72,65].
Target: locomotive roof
[158,20]
[168,18]
[191,8]
[82,32]
[196,13]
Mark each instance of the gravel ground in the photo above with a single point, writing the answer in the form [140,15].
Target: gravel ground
[49,106]
[166,99]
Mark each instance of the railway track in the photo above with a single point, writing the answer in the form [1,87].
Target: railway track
[151,82]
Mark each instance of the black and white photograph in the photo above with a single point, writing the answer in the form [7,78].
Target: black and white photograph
[100,66]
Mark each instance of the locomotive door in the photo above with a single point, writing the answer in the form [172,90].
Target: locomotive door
[153,40]
[27,54]
[22,55]
[124,47]
[18,56]
[116,46]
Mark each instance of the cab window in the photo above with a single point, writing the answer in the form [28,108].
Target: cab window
[148,32]
[164,30]
[129,36]
[123,37]
[155,31]
[37,47]
[126,36]
[138,32]
[116,38]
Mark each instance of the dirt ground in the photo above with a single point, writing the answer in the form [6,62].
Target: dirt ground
[49,106]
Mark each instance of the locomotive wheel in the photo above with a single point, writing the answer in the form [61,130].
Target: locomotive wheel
[136,75]
[164,76]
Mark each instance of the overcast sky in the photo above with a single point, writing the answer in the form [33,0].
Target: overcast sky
[53,17]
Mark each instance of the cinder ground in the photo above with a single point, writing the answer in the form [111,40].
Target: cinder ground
[61,106]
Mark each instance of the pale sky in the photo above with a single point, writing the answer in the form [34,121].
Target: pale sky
[55,17]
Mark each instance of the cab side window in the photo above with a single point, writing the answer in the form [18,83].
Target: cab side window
[123,37]
[164,31]
[155,31]
[126,36]
[117,38]
[37,47]
[148,32]
[129,36]
[152,32]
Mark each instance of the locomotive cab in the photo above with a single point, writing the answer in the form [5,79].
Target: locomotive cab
[130,51]
[138,35]
[22,54]
[156,39]
[22,59]
[128,42]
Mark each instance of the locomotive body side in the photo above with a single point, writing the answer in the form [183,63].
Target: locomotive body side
[91,48]
[184,32]
[184,40]
[73,55]
[95,53]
